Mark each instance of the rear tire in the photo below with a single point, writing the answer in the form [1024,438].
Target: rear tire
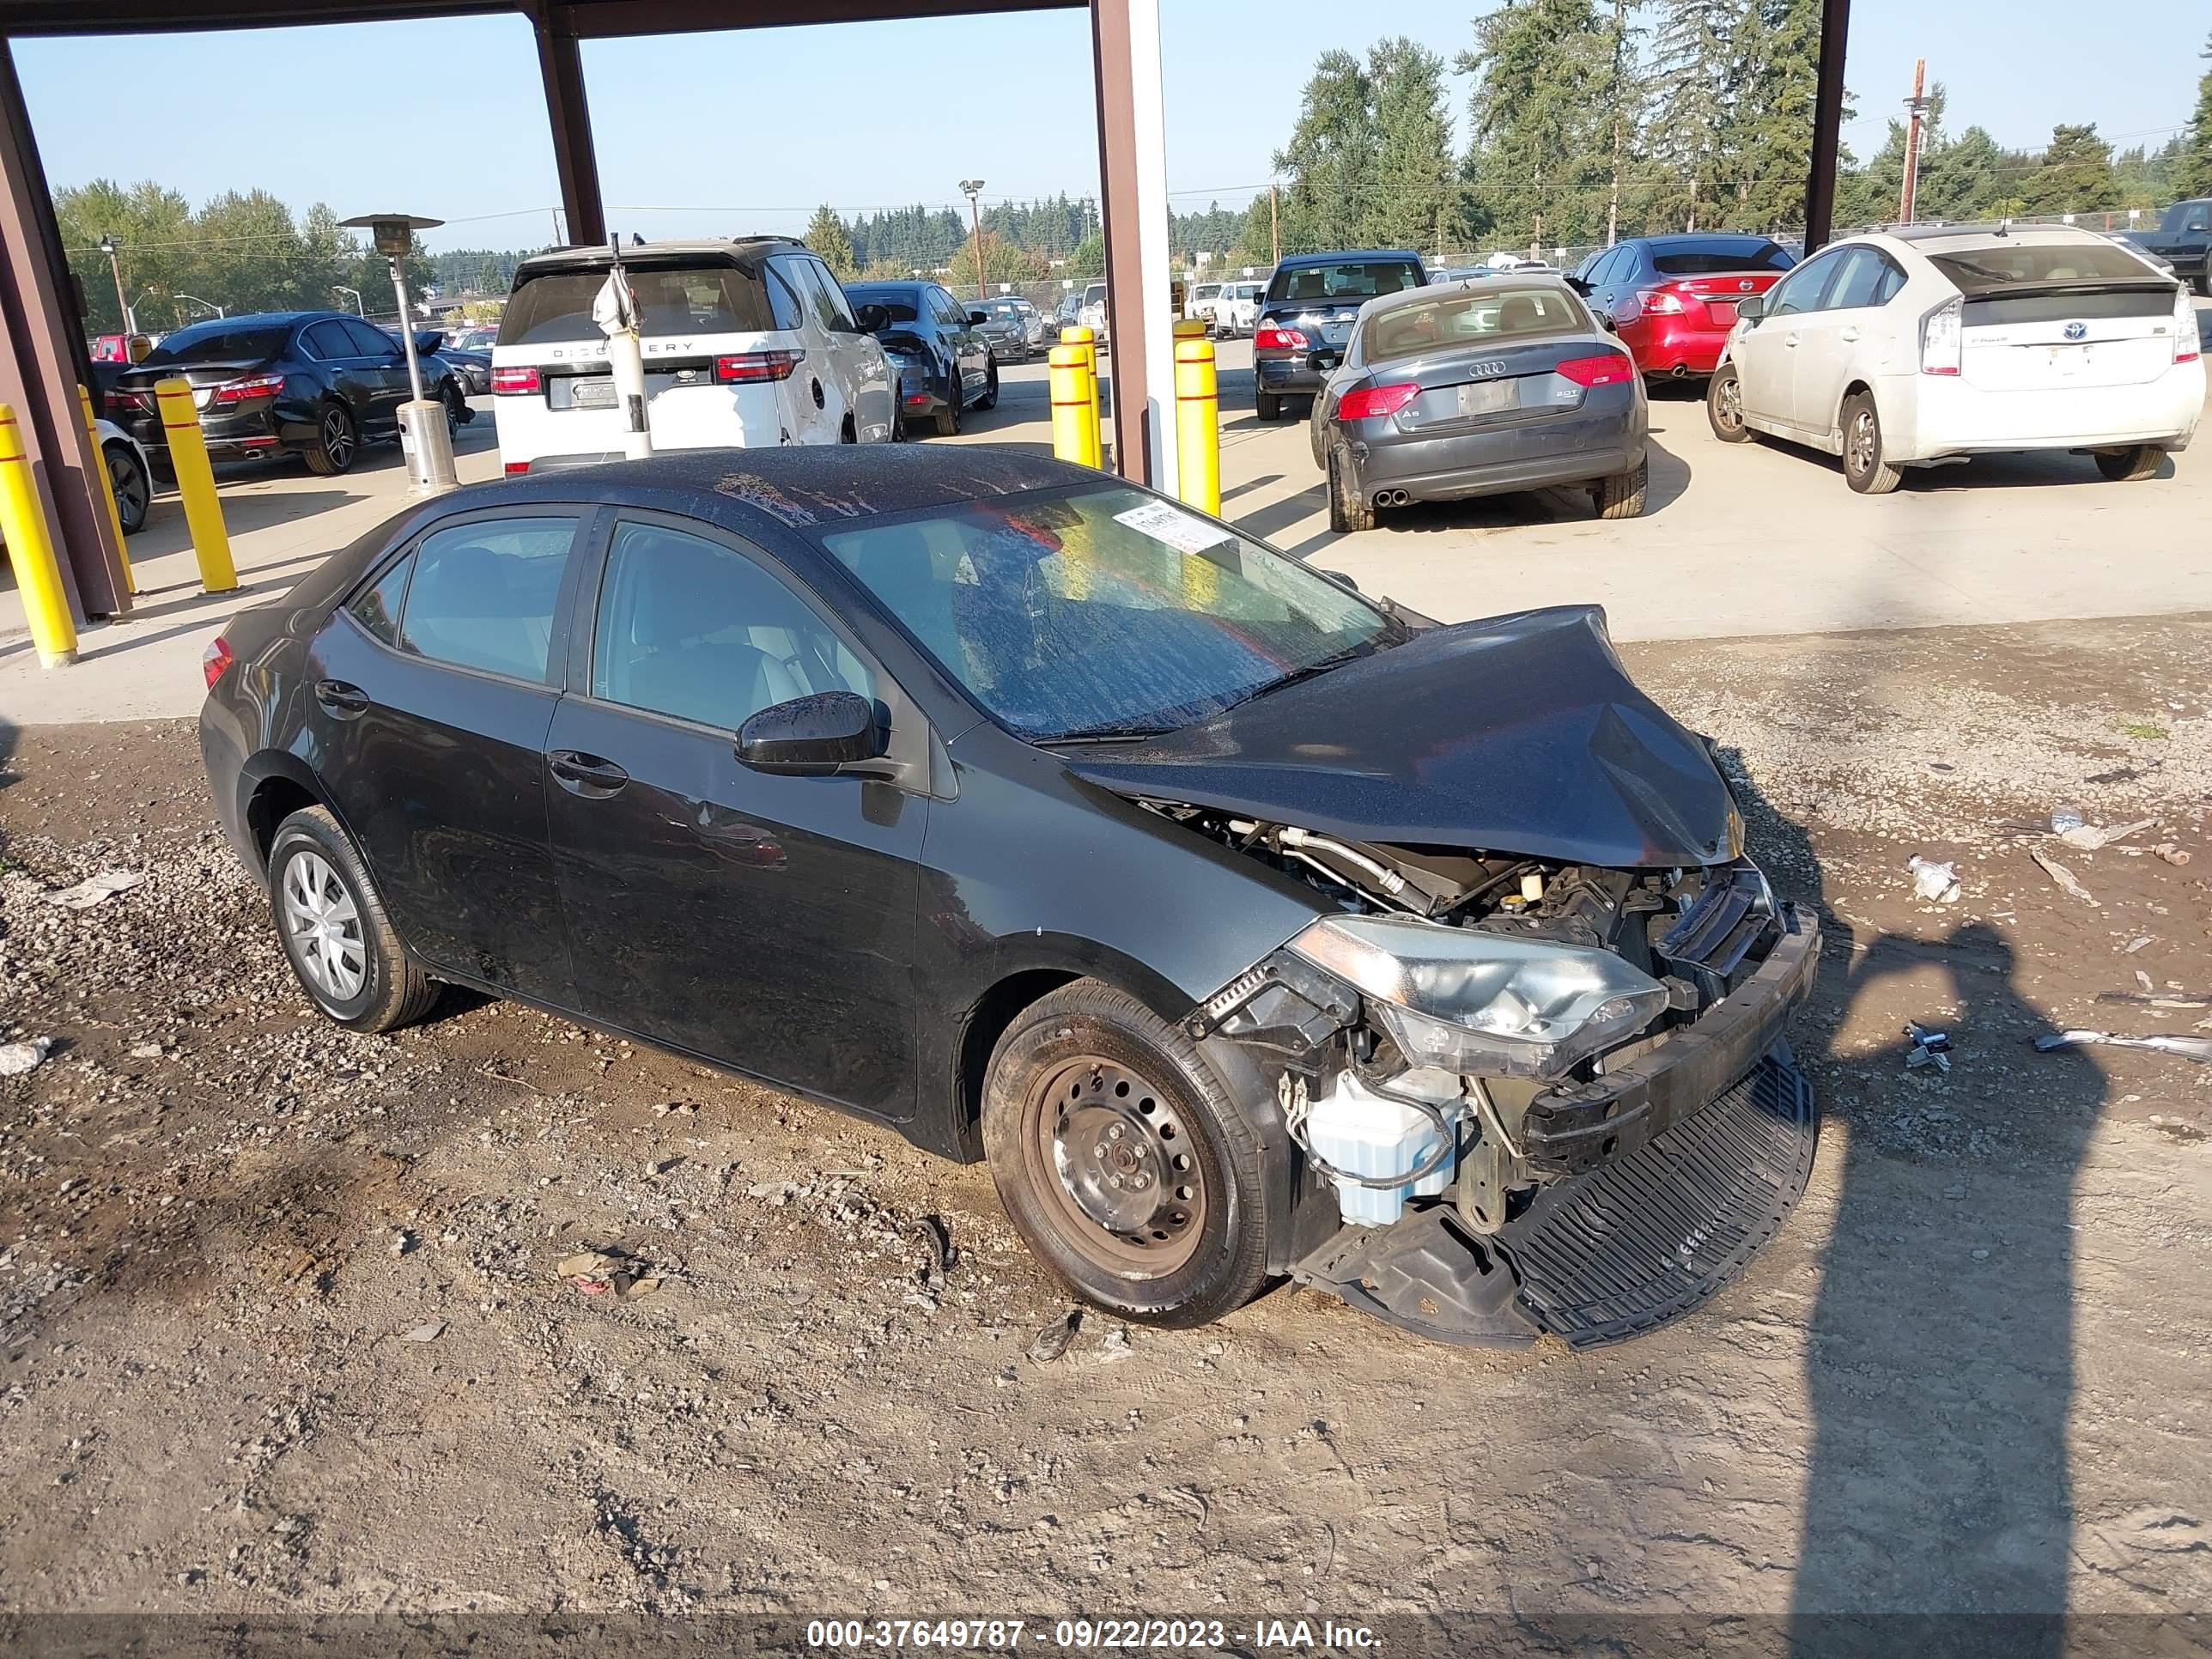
[1621,496]
[1267,405]
[1349,510]
[2131,465]
[948,419]
[331,924]
[336,445]
[134,488]
[1865,468]
[1725,405]
[1089,1087]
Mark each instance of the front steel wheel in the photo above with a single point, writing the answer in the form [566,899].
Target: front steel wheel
[1122,1162]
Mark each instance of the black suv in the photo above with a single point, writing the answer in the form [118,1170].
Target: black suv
[317,384]
[1308,313]
[935,343]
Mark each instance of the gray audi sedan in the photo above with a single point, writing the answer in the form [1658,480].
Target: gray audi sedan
[1480,388]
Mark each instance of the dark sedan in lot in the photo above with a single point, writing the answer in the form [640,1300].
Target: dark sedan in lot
[1299,332]
[1479,388]
[1248,927]
[311,383]
[938,349]
[1016,329]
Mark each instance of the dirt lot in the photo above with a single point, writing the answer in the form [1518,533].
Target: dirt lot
[279,1330]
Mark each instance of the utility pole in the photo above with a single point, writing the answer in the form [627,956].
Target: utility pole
[971,186]
[1275,224]
[1917,104]
[108,245]
[1619,121]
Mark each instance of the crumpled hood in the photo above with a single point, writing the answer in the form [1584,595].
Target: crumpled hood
[1518,734]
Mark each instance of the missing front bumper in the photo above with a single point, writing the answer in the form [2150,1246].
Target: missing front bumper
[1607,1255]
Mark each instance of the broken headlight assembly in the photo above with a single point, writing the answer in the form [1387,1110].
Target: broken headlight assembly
[1482,1003]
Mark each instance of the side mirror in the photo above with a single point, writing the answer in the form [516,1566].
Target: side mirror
[1339,577]
[811,736]
[1578,285]
[872,318]
[977,319]
[1751,307]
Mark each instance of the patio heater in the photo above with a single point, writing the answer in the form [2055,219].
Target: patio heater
[422,433]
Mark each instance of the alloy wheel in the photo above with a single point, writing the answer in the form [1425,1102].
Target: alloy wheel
[1129,1184]
[132,488]
[337,439]
[1865,442]
[1728,398]
[325,927]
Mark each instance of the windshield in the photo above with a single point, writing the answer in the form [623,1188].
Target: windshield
[1355,279]
[220,342]
[1485,317]
[1722,253]
[1103,611]
[901,305]
[714,299]
[2009,264]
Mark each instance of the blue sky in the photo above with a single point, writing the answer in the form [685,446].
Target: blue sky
[748,130]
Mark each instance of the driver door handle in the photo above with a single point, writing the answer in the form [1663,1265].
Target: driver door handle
[1789,340]
[341,699]
[1849,334]
[588,775]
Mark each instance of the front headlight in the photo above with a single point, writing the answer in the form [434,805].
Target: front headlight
[1484,1003]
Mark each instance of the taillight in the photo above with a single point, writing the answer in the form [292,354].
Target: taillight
[254,386]
[516,469]
[1941,332]
[1659,301]
[746,368]
[2186,348]
[514,382]
[1372,400]
[215,660]
[137,400]
[1608,369]
[1279,339]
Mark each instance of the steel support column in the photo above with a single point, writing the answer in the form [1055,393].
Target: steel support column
[562,64]
[1827,123]
[1125,37]
[46,360]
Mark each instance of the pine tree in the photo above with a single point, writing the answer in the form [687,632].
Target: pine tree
[1414,199]
[2076,174]
[1330,158]
[1540,153]
[2193,171]
[1768,135]
[826,235]
[1698,69]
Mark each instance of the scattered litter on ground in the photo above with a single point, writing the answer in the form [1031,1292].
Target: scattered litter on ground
[2135,944]
[429,1331]
[1115,1346]
[2171,853]
[2188,1047]
[1938,882]
[95,890]
[2156,999]
[2059,873]
[2144,980]
[1929,1048]
[17,1058]
[598,1272]
[2065,820]
[2090,836]
[1048,1344]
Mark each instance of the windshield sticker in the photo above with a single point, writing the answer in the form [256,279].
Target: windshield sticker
[1184,531]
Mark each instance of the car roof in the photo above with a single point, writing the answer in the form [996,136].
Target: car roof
[1489,282]
[796,487]
[1297,261]
[1698,238]
[733,250]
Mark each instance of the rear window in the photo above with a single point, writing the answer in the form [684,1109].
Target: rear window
[1496,315]
[216,342]
[2006,265]
[1355,279]
[671,300]
[900,303]
[1722,255]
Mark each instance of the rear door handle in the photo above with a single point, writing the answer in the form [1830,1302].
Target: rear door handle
[587,775]
[1848,334]
[341,699]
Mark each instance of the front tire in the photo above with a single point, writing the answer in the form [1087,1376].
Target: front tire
[133,487]
[948,419]
[1865,468]
[990,398]
[336,443]
[1121,1160]
[2131,465]
[1725,405]
[331,923]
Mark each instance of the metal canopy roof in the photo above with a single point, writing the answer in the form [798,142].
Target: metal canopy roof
[583,19]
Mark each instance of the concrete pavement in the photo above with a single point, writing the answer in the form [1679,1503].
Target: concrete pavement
[1754,539]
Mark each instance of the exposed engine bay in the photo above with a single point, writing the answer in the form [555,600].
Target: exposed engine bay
[1468,1034]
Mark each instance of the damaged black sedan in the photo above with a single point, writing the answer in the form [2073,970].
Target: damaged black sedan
[1250,927]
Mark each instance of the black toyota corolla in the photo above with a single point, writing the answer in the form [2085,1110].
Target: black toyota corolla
[1249,927]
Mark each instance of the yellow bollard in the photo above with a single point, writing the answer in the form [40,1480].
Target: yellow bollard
[31,550]
[1088,342]
[107,489]
[1190,328]
[1198,426]
[1074,410]
[188,458]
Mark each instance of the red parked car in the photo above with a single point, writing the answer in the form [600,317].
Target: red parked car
[1672,299]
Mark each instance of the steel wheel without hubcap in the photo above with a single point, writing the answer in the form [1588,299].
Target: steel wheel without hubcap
[325,925]
[1116,1158]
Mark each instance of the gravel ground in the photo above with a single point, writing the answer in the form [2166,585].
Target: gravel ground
[280,1331]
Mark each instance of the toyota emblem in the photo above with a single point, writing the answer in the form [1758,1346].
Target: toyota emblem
[2077,331]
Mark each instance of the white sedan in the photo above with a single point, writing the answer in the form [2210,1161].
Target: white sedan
[1926,345]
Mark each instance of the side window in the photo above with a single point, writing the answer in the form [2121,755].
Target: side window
[839,316]
[377,608]
[1800,290]
[483,594]
[1856,281]
[784,287]
[369,342]
[1893,279]
[949,311]
[327,341]
[690,628]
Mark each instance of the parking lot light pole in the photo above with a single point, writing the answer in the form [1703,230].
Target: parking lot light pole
[109,245]
[972,186]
